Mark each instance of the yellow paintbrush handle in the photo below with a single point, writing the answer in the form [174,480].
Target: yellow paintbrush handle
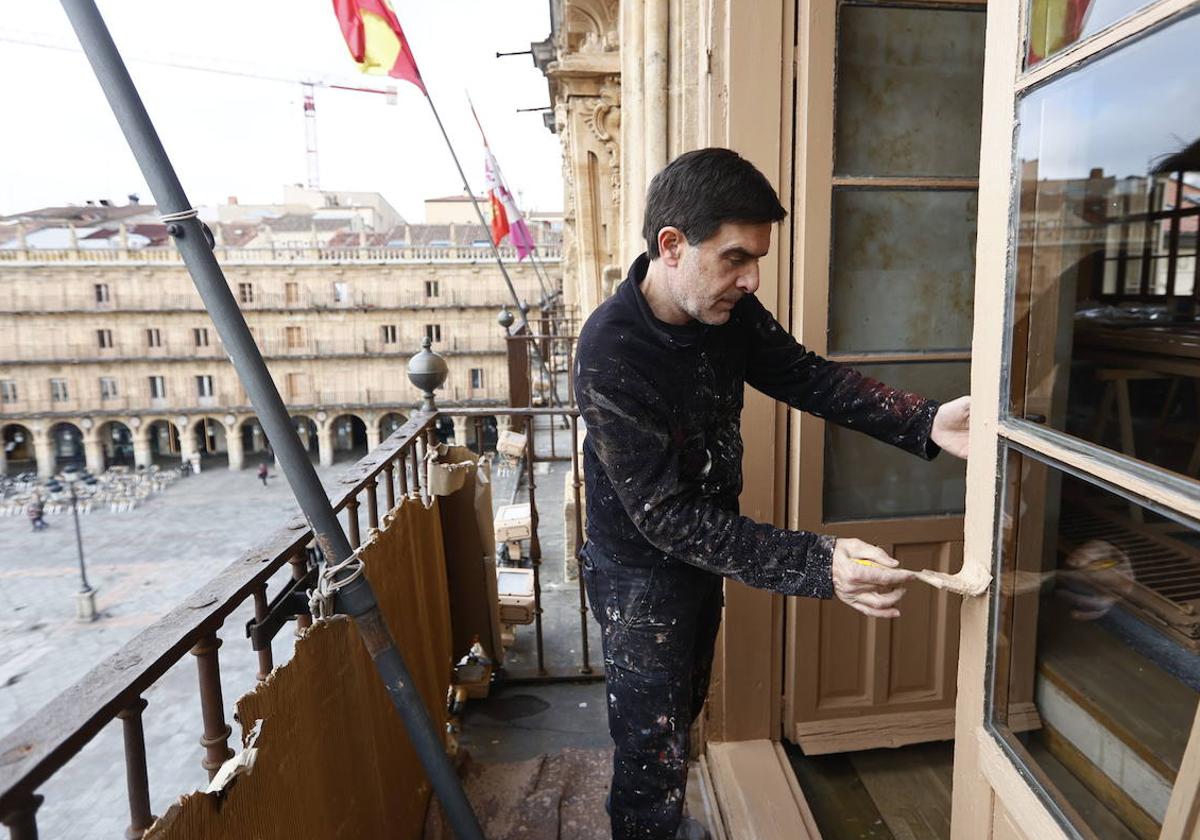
[864,562]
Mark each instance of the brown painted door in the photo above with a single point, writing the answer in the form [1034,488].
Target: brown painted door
[887,154]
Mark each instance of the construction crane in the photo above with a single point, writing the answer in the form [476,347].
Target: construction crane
[204,65]
[310,121]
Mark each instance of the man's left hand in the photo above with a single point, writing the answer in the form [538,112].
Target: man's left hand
[951,425]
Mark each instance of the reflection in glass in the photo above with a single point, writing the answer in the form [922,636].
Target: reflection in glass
[1056,24]
[1107,340]
[866,479]
[908,88]
[1096,676]
[903,270]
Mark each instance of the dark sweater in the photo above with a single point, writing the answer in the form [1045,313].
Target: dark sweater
[663,452]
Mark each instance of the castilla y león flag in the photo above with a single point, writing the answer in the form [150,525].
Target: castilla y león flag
[376,40]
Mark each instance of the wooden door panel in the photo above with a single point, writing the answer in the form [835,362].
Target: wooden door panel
[856,683]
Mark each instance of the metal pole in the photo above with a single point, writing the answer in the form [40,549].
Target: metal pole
[84,587]
[356,598]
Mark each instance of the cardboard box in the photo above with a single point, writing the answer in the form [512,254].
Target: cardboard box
[513,522]
[511,443]
[515,587]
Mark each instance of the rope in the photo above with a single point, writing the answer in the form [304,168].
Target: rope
[182,215]
[321,599]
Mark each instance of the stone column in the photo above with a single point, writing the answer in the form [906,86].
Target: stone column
[460,430]
[43,451]
[233,446]
[93,451]
[3,460]
[141,446]
[373,437]
[187,443]
[325,443]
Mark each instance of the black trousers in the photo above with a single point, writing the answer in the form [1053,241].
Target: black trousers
[658,626]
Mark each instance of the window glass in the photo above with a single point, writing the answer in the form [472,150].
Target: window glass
[867,479]
[1107,341]
[1095,677]
[908,91]
[903,270]
[1056,24]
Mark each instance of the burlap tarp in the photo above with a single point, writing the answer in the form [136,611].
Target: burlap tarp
[333,759]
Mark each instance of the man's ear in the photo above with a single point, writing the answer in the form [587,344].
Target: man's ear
[670,245]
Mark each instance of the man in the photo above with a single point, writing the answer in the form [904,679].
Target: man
[36,511]
[659,379]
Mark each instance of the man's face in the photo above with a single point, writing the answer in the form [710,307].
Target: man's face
[709,278]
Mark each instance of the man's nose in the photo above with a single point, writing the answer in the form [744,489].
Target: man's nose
[748,282]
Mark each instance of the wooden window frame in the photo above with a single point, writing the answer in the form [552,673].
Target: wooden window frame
[985,772]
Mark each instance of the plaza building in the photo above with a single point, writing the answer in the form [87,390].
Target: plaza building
[107,356]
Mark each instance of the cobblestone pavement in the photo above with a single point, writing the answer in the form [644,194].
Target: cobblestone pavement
[142,563]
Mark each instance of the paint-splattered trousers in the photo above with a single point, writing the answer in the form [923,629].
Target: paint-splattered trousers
[658,626]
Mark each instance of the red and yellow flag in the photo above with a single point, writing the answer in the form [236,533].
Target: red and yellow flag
[376,40]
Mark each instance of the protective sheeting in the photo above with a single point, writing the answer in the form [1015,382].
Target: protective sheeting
[333,758]
[470,551]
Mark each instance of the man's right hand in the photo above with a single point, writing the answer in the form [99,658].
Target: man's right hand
[872,587]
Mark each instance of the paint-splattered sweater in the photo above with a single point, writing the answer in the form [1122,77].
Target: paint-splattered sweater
[663,452]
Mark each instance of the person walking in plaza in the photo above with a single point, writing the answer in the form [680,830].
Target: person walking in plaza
[36,511]
[263,473]
[660,374]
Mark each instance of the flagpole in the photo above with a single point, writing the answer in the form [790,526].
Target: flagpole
[537,270]
[495,250]
[354,595]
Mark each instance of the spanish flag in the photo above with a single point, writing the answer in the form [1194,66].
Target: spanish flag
[376,40]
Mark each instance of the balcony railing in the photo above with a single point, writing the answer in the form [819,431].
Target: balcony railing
[34,752]
[271,347]
[396,297]
[316,254]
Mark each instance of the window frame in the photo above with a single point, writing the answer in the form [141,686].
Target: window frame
[157,386]
[9,392]
[60,390]
[109,389]
[979,748]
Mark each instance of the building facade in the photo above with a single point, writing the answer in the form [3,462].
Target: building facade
[107,355]
[989,198]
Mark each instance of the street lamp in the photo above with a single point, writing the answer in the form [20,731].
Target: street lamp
[85,598]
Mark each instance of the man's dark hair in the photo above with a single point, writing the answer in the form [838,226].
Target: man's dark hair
[701,190]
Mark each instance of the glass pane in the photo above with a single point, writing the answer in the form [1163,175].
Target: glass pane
[909,91]
[1107,341]
[866,479]
[1056,24]
[903,270]
[1096,675]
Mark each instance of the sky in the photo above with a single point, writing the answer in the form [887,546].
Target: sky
[233,136]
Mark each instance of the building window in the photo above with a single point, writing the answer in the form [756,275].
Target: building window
[158,388]
[294,337]
[431,289]
[153,337]
[341,292]
[101,293]
[476,377]
[204,386]
[200,336]
[433,332]
[8,391]
[291,293]
[245,292]
[388,332]
[108,388]
[104,338]
[58,390]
